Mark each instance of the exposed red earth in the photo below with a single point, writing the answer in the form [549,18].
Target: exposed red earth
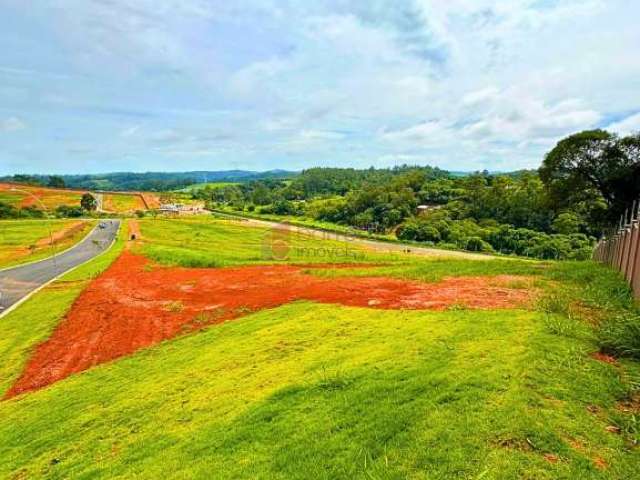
[136,304]
[603,357]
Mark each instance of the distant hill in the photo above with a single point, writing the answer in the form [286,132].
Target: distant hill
[151,181]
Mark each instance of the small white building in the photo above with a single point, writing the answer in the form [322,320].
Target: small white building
[182,209]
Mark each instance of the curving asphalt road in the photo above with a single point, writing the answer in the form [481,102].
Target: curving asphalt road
[18,282]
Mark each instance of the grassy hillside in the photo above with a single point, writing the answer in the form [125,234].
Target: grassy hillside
[23,196]
[32,322]
[28,240]
[211,185]
[53,198]
[207,242]
[323,391]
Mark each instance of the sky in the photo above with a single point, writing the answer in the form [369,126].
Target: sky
[92,86]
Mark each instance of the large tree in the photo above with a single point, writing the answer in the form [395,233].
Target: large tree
[594,165]
[88,202]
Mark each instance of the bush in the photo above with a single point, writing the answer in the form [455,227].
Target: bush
[69,211]
[9,211]
[419,231]
[469,235]
[620,335]
[476,244]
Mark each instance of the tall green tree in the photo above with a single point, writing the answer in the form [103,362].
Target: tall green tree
[594,164]
[88,202]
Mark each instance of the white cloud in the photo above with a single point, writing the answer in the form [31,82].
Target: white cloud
[320,135]
[421,134]
[461,83]
[130,131]
[627,126]
[12,124]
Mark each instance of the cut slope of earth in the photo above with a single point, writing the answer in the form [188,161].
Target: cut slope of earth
[32,196]
[135,305]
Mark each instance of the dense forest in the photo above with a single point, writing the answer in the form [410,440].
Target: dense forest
[583,186]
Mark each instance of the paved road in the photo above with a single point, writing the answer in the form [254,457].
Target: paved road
[17,282]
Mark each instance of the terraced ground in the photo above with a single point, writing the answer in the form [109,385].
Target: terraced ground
[254,353]
[122,203]
[23,196]
[30,240]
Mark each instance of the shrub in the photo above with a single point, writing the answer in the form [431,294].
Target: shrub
[476,244]
[620,335]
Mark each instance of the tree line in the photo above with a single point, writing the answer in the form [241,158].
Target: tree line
[584,184]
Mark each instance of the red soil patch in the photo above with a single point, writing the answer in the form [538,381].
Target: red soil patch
[130,307]
[603,357]
[600,463]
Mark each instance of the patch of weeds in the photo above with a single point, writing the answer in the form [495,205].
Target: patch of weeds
[202,319]
[518,284]
[619,335]
[457,307]
[560,325]
[174,307]
[554,303]
[520,444]
[147,268]
[332,380]
[243,310]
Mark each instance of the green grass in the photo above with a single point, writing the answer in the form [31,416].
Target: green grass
[122,202]
[210,242]
[33,321]
[321,391]
[200,186]
[384,394]
[18,239]
[311,223]
[12,198]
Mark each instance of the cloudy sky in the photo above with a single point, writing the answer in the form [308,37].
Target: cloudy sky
[112,85]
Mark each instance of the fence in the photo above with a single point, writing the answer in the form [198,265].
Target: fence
[620,249]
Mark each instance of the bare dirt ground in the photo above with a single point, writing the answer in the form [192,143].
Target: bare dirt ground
[135,304]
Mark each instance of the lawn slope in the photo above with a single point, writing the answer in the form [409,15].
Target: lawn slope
[29,240]
[310,390]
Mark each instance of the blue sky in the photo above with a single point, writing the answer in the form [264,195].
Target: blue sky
[91,86]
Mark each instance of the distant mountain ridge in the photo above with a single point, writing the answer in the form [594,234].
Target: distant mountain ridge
[151,181]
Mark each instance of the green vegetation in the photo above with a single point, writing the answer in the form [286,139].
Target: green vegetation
[383,395]
[32,322]
[209,242]
[597,170]
[321,391]
[88,202]
[207,186]
[148,181]
[28,240]
[585,182]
